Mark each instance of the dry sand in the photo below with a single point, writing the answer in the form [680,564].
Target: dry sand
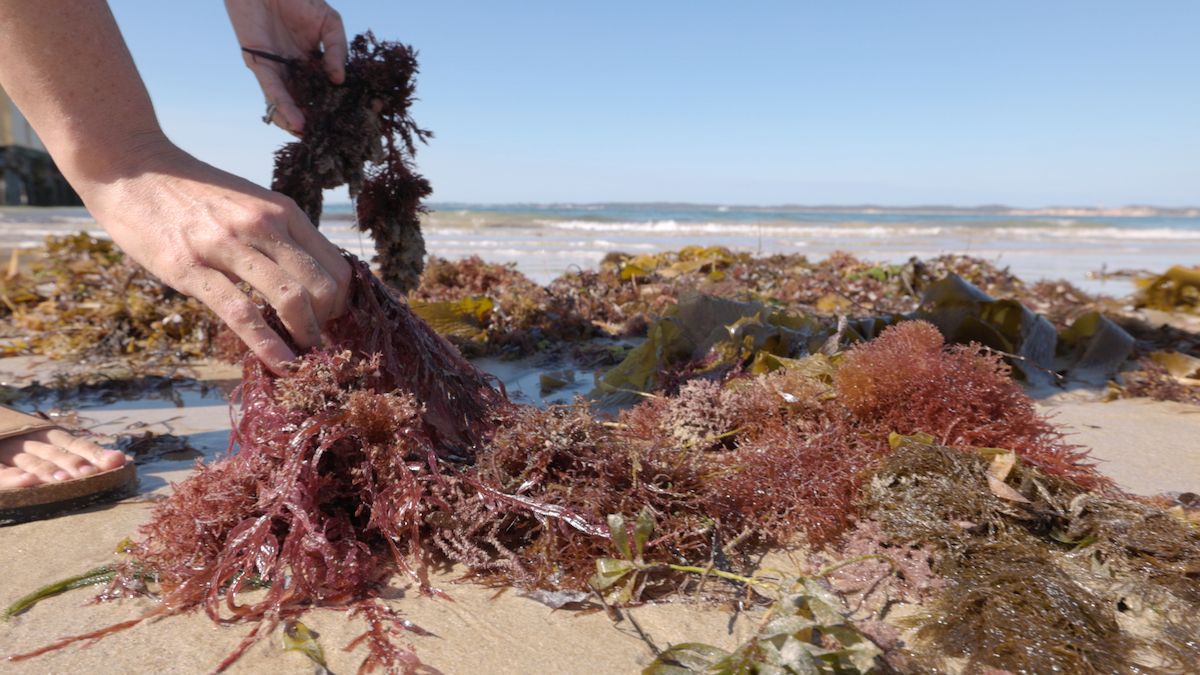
[1148,447]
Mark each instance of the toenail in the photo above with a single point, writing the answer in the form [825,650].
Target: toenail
[61,475]
[87,469]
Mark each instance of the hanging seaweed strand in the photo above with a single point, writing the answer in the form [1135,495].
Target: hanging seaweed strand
[360,134]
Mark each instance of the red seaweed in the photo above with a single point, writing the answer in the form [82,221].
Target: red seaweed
[386,448]
[360,134]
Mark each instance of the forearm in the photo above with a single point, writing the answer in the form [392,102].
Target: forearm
[66,66]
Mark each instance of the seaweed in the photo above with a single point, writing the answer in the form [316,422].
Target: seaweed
[1176,290]
[908,384]
[1011,608]
[805,630]
[1041,573]
[521,316]
[1162,376]
[83,300]
[361,134]
[338,466]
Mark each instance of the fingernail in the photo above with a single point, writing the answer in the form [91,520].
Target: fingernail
[87,469]
[61,475]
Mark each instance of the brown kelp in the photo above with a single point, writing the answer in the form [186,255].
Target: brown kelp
[1176,290]
[360,134]
[81,299]
[1041,575]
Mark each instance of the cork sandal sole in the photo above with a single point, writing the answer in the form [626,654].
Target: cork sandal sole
[18,505]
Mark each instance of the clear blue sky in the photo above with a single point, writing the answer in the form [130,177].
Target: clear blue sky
[1023,103]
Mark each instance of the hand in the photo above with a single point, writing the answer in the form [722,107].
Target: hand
[291,29]
[201,230]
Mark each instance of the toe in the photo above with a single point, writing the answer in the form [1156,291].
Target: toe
[31,462]
[67,462]
[89,452]
[14,477]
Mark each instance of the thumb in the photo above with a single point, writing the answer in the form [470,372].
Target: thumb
[333,38]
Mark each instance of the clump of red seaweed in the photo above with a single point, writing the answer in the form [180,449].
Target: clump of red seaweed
[339,464]
[360,134]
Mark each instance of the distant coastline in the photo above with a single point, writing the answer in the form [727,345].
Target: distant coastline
[1128,211]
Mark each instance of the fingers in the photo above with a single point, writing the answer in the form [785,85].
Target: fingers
[287,114]
[285,290]
[241,315]
[301,259]
[333,38]
[330,300]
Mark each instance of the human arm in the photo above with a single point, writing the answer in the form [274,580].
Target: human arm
[197,228]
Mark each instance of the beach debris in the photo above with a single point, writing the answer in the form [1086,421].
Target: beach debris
[1176,290]
[1063,579]
[805,630]
[298,637]
[1162,376]
[149,446]
[99,575]
[360,134]
[82,300]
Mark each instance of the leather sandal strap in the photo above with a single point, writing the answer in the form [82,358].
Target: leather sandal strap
[13,423]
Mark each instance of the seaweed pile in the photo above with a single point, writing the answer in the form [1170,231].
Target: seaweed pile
[338,465]
[627,293]
[1042,575]
[360,134]
[82,300]
[343,478]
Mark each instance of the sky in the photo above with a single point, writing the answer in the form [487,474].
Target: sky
[899,103]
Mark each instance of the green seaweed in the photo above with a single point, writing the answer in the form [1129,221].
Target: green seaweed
[99,575]
[805,630]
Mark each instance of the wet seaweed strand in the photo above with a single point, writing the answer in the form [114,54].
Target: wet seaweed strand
[360,134]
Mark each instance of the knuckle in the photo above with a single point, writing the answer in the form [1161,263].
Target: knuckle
[241,312]
[263,223]
[292,301]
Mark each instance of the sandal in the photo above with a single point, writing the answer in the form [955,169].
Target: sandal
[23,504]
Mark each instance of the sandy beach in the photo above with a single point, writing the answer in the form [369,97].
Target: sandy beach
[1147,447]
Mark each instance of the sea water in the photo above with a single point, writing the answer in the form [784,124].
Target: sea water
[545,240]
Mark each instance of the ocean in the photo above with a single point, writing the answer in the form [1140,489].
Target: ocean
[544,240]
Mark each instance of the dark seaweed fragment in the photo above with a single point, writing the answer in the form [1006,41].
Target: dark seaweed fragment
[361,134]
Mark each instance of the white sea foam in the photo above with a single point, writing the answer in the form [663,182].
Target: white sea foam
[859,230]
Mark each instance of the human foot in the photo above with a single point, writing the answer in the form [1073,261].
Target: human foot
[52,456]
